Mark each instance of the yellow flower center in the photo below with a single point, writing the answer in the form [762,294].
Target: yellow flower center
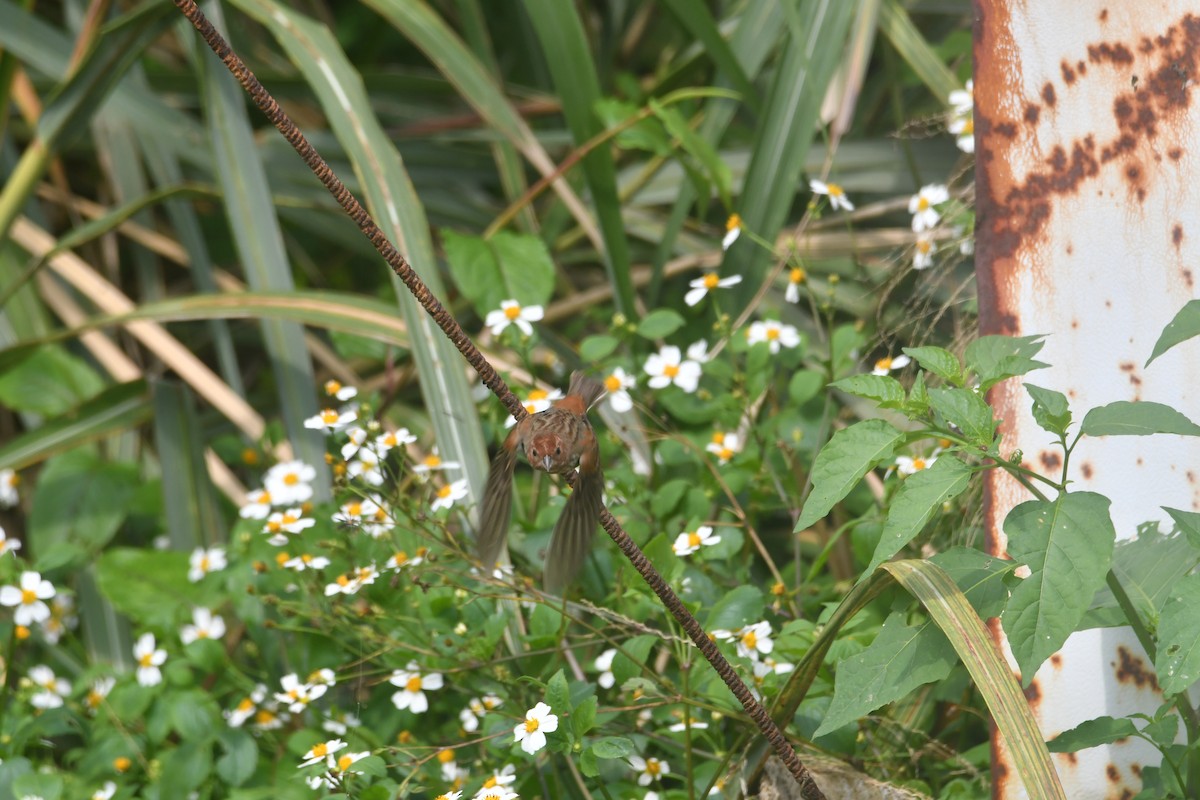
[772,334]
[401,557]
[671,370]
[530,408]
[512,312]
[883,363]
[201,633]
[531,725]
[146,660]
[320,750]
[490,783]
[273,526]
[329,416]
[693,539]
[653,767]
[924,246]
[246,705]
[918,464]
[28,596]
[380,515]
[306,558]
[612,383]
[445,755]
[443,492]
[122,763]
[797,275]
[94,699]
[364,573]
[264,717]
[733,223]
[344,762]
[353,509]
[725,454]
[538,394]
[22,633]
[433,461]
[968,127]
[291,479]
[750,639]
[288,518]
[282,558]
[413,684]
[711,280]
[835,190]
[343,580]
[332,387]
[922,204]
[250,457]
[718,437]
[778,589]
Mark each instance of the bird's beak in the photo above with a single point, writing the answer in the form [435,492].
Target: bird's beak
[547,462]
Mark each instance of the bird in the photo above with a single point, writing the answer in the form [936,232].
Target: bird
[555,441]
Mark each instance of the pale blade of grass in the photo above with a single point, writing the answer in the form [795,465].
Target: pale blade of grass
[425,29]
[390,196]
[898,27]
[992,677]
[566,51]
[193,515]
[786,132]
[258,240]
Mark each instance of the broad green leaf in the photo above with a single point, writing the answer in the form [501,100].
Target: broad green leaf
[43,785]
[660,323]
[583,717]
[646,134]
[1123,418]
[508,266]
[921,495]
[49,382]
[1177,661]
[804,385]
[883,389]
[80,500]
[1188,522]
[995,358]
[842,463]
[968,411]
[185,767]
[1184,326]
[149,586]
[990,672]
[1164,729]
[666,498]
[558,694]
[1092,733]
[939,361]
[1067,544]
[612,747]
[1148,567]
[898,661]
[982,578]
[1050,409]
[917,404]
[194,714]
[596,348]
[741,606]
[632,654]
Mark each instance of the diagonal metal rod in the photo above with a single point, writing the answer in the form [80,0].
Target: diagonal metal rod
[266,103]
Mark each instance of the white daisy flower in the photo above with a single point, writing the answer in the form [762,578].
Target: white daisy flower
[290,482]
[291,521]
[835,193]
[366,466]
[206,625]
[689,542]
[330,420]
[296,695]
[774,333]
[796,276]
[964,130]
[337,390]
[962,101]
[733,229]
[28,598]
[604,664]
[449,494]
[511,313]
[205,560]
[888,364]
[306,561]
[320,750]
[258,505]
[703,285]
[668,366]
[922,206]
[725,446]
[649,769]
[532,732]
[432,462]
[9,480]
[537,401]
[149,658]
[412,688]
[617,383]
[398,438]
[8,545]
[923,251]
[51,688]
[907,465]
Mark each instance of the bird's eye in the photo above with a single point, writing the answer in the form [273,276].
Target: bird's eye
[558,451]
[533,452]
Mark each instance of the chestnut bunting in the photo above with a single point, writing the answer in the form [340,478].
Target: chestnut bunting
[554,440]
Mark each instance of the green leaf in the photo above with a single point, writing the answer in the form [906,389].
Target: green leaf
[843,461]
[804,385]
[980,577]
[185,767]
[49,382]
[660,323]
[237,764]
[80,500]
[1188,522]
[1092,733]
[967,410]
[508,266]
[1177,661]
[1123,418]
[666,498]
[44,785]
[558,694]
[632,655]
[595,348]
[921,495]
[716,170]
[741,606]
[1184,326]
[194,714]
[882,389]
[1067,544]
[1147,567]
[1050,409]
[898,661]
[939,361]
[995,358]
[150,586]
[583,717]
[612,747]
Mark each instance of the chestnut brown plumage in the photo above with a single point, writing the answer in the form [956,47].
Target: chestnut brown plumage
[555,440]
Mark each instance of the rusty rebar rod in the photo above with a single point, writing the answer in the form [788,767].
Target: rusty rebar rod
[362,218]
